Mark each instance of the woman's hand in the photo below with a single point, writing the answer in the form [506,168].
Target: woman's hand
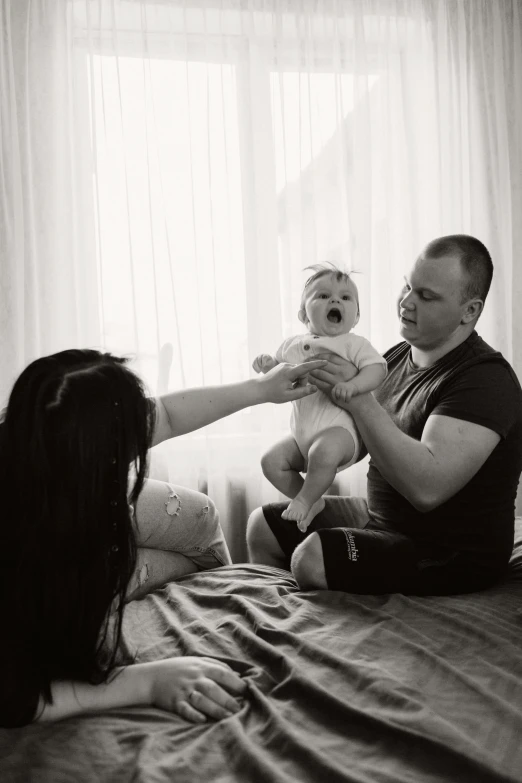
[336,370]
[195,688]
[287,382]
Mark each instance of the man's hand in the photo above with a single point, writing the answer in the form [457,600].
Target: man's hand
[336,370]
[264,363]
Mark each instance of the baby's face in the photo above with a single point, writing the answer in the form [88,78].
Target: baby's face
[332,306]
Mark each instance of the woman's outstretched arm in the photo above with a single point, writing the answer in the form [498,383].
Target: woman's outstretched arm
[184,411]
[194,688]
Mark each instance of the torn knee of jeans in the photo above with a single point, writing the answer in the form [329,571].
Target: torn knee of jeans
[208,509]
[173,504]
[143,575]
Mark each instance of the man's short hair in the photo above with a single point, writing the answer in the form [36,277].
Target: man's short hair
[474,258]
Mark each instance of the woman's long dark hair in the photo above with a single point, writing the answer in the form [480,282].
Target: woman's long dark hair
[76,423]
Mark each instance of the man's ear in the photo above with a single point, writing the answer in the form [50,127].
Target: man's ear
[302,316]
[473,309]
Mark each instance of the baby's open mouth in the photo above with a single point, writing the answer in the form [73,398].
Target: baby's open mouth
[334,315]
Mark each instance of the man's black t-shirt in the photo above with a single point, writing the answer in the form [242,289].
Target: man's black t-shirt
[474,383]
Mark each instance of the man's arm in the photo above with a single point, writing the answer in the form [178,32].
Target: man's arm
[188,410]
[426,472]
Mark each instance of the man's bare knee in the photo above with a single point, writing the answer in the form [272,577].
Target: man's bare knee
[262,544]
[307,564]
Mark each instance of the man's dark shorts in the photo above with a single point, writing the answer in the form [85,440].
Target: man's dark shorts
[363,557]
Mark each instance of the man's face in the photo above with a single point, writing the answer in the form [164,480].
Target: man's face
[331,305]
[430,305]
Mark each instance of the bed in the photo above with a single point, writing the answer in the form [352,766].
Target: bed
[342,689]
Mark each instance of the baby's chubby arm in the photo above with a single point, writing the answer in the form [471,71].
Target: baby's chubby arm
[367,379]
[264,363]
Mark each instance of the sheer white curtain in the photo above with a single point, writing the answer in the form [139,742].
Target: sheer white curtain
[168,168]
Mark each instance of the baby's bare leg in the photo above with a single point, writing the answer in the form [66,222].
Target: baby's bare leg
[331,448]
[281,465]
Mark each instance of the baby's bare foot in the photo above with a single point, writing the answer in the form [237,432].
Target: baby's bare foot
[297,510]
[302,512]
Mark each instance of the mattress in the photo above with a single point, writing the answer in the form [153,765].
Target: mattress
[341,689]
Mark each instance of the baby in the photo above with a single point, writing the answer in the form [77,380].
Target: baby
[324,437]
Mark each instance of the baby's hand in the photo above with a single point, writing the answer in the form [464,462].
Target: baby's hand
[344,391]
[264,363]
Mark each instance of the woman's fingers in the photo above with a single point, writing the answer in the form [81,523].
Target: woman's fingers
[196,688]
[211,696]
[217,662]
[198,707]
[286,382]
[225,676]
[212,707]
[306,367]
[302,391]
[301,385]
[216,694]
[187,711]
[215,700]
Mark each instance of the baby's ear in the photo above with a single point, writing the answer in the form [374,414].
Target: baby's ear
[356,319]
[302,316]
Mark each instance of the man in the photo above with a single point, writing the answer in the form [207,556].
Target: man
[444,433]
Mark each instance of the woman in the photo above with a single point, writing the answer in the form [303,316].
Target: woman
[82,535]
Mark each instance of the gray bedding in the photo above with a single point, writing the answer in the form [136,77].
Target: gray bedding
[342,689]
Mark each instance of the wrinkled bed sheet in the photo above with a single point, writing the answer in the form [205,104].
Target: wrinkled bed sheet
[342,688]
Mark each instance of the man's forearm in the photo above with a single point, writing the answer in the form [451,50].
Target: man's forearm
[406,463]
